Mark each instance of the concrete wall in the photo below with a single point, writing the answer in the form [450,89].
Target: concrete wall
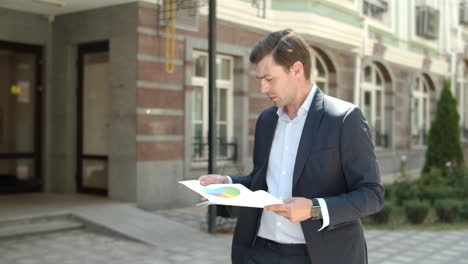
[16,26]
[116,24]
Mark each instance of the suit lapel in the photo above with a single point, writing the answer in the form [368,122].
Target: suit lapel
[270,128]
[309,134]
[268,132]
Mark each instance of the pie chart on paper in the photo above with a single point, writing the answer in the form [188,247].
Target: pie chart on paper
[224,192]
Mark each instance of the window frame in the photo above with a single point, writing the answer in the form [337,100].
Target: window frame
[314,73]
[372,87]
[388,13]
[432,43]
[420,94]
[462,98]
[228,85]
[386,25]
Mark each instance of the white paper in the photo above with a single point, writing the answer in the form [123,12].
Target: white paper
[231,194]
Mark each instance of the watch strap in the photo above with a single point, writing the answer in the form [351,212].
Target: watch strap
[316,209]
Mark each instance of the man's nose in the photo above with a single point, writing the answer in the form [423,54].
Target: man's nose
[264,87]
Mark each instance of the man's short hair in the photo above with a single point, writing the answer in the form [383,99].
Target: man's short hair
[286,47]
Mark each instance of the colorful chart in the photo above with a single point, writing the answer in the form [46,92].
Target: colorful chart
[225,192]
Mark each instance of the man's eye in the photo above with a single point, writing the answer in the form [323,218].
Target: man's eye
[268,79]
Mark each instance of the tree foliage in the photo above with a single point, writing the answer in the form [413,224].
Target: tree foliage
[444,148]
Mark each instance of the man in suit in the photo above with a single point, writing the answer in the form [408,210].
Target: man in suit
[316,154]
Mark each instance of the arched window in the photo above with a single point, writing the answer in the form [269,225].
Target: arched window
[373,103]
[461,95]
[420,116]
[319,73]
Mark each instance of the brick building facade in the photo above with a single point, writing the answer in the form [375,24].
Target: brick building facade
[155,122]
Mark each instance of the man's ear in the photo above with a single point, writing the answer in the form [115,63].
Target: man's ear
[298,69]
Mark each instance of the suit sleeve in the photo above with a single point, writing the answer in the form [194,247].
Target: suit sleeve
[246,180]
[361,173]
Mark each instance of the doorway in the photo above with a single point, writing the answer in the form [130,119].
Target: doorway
[20,117]
[93,117]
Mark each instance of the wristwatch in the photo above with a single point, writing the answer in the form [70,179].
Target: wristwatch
[316,211]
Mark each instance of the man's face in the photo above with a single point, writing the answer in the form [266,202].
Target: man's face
[276,82]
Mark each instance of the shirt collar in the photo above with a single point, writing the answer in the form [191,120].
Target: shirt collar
[304,109]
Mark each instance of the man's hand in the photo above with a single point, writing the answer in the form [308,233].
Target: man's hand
[295,209]
[213,179]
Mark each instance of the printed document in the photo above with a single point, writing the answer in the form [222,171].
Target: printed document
[231,194]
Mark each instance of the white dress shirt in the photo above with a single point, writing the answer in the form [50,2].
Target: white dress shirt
[280,176]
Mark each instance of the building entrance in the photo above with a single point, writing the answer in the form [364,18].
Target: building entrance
[20,117]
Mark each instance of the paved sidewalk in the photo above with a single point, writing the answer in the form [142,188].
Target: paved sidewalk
[99,213]
[82,246]
[416,247]
[90,246]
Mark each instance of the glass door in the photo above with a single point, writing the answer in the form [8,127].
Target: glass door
[20,113]
[93,117]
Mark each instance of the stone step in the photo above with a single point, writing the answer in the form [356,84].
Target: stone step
[38,225]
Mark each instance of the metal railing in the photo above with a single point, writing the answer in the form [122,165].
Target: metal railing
[381,140]
[227,149]
[420,138]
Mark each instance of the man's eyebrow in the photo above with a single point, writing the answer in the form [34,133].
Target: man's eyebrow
[262,77]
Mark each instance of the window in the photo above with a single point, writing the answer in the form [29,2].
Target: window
[186,13]
[461,95]
[376,9]
[463,12]
[224,120]
[420,111]
[373,103]
[427,22]
[319,72]
[461,90]
[261,7]
[465,112]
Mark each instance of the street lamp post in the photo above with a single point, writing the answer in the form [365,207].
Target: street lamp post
[212,144]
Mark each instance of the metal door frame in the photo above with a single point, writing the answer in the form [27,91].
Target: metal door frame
[83,49]
[36,155]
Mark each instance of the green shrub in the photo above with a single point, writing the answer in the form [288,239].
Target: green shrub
[447,210]
[383,216]
[405,191]
[416,211]
[464,210]
[461,188]
[389,192]
[433,177]
[454,176]
[432,193]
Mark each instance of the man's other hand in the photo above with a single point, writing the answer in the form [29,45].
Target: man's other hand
[213,179]
[295,209]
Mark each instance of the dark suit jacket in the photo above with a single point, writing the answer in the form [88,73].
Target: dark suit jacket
[335,161]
